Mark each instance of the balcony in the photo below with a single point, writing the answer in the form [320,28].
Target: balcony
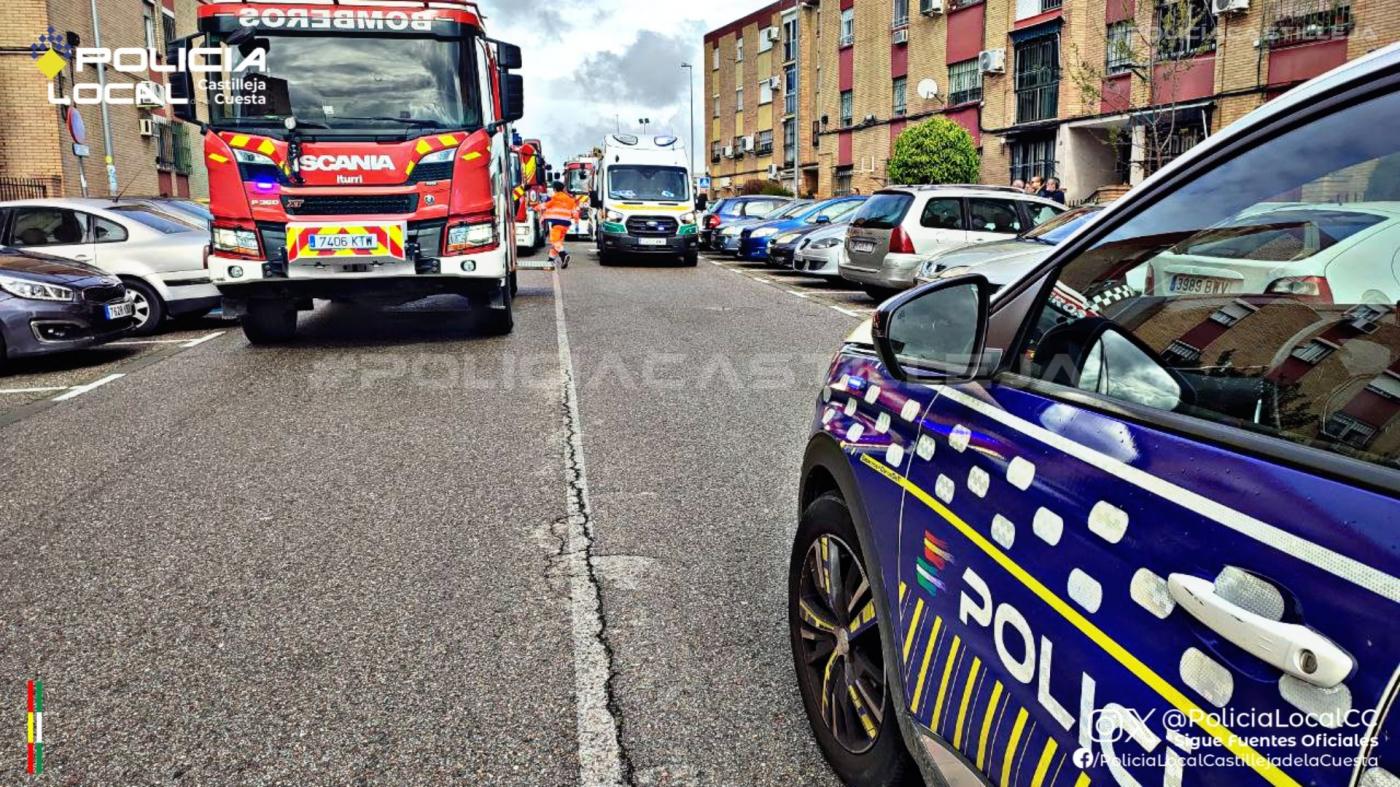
[1037,103]
[1299,21]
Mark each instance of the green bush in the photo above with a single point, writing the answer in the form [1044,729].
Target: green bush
[935,151]
[767,188]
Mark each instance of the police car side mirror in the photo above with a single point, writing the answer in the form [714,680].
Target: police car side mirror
[936,333]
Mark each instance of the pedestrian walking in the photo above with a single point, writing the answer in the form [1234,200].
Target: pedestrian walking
[560,213]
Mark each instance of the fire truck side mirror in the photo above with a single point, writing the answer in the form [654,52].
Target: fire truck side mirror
[508,56]
[180,91]
[512,97]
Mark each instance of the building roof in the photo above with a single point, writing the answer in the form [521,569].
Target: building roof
[760,17]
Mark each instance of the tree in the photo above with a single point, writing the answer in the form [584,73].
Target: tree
[935,151]
[759,186]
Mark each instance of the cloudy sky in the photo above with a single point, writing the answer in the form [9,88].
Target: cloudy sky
[592,64]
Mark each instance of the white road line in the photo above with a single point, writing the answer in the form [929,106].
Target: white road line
[1337,564]
[599,752]
[801,295]
[46,389]
[203,339]
[82,389]
[848,312]
[133,342]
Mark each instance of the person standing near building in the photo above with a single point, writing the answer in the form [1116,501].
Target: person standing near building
[1036,184]
[1018,184]
[1052,190]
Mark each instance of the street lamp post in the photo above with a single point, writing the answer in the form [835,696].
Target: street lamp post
[645,122]
[691,73]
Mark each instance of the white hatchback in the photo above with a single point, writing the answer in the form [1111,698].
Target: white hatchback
[159,255]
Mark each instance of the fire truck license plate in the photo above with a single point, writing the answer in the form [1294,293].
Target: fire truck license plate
[345,242]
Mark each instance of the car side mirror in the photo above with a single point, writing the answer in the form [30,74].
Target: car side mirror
[937,333]
[823,219]
[593,197]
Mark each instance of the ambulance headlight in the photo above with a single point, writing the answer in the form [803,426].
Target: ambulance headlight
[688,218]
[613,217]
[440,157]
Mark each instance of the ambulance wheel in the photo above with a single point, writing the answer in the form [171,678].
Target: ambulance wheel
[605,257]
[270,322]
[692,258]
[841,675]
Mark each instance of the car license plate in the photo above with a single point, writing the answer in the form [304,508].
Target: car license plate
[116,311]
[1200,285]
[357,241]
[652,242]
[863,246]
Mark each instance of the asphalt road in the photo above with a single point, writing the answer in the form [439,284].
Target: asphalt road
[374,557]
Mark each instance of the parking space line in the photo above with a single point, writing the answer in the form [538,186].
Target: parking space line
[848,312]
[203,339]
[44,389]
[82,389]
[133,342]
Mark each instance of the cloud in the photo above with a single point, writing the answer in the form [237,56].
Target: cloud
[544,15]
[648,72]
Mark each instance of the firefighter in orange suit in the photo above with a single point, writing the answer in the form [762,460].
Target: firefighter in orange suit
[560,213]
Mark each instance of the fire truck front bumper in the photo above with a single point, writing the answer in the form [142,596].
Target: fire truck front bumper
[478,273]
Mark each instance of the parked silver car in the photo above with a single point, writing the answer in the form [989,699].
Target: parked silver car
[1027,249]
[158,255]
[821,252]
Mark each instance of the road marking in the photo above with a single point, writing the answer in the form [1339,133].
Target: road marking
[599,751]
[848,312]
[203,339]
[46,389]
[77,391]
[135,342]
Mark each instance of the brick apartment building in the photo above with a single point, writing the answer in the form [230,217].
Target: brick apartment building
[153,153]
[1100,93]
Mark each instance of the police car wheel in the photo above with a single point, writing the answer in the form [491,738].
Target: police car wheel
[841,675]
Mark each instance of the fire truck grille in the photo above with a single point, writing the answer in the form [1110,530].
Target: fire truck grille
[350,206]
[427,234]
[652,226]
[430,172]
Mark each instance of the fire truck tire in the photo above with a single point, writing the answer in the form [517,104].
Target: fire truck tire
[499,321]
[514,284]
[270,322]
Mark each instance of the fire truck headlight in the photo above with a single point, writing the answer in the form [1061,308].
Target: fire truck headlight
[249,157]
[236,241]
[439,157]
[461,237]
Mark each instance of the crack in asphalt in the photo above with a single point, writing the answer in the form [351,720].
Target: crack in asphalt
[602,758]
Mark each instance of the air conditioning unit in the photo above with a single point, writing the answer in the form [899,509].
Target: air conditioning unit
[148,127]
[775,83]
[930,7]
[729,151]
[901,36]
[870,120]
[774,35]
[992,61]
[1222,7]
[772,171]
[748,144]
[147,95]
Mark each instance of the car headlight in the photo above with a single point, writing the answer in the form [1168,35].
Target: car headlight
[440,157]
[613,217]
[688,218]
[827,243]
[35,291]
[764,232]
[730,232]
[249,157]
[236,241]
[785,238]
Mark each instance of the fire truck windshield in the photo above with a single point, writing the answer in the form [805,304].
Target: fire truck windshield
[416,84]
[578,180]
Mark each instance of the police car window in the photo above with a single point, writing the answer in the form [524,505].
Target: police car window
[1263,292]
[994,215]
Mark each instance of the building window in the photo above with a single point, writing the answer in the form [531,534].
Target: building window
[789,143]
[1231,313]
[1313,352]
[790,89]
[716,106]
[172,149]
[167,28]
[739,49]
[1295,21]
[765,142]
[816,133]
[1120,47]
[1033,156]
[901,14]
[1165,145]
[964,82]
[1185,28]
[739,100]
[148,19]
[1349,430]
[848,27]
[714,57]
[848,108]
[1038,79]
[898,89]
[842,183]
[1050,5]
[789,39]
[716,150]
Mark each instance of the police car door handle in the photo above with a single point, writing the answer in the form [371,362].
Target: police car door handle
[1297,650]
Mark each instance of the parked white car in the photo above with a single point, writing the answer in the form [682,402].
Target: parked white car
[157,254]
[822,251]
[1287,249]
[899,226]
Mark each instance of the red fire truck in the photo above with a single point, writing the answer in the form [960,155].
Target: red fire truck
[356,152]
[578,181]
[529,195]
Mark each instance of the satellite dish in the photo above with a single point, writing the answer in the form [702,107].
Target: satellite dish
[928,89]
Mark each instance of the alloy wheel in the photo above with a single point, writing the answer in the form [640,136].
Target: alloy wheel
[841,643]
[141,307]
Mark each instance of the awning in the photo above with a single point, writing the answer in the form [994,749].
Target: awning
[1049,28]
[1194,113]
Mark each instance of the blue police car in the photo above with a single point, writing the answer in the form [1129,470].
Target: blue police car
[1132,519]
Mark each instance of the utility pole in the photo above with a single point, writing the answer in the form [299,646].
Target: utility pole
[106,119]
[690,70]
[797,98]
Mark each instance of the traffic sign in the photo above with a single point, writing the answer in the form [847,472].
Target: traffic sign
[81,151]
[76,128]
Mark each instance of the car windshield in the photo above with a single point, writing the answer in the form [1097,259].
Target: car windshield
[883,211]
[788,211]
[416,84]
[1058,229]
[831,211]
[164,223]
[578,180]
[658,184]
[1286,235]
